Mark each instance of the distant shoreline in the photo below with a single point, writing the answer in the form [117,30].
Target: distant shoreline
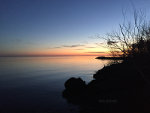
[110,58]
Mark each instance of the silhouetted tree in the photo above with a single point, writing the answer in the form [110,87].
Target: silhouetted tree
[131,39]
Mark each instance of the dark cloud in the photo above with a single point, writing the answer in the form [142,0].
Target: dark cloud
[90,47]
[68,46]
[78,49]
[99,44]
[71,46]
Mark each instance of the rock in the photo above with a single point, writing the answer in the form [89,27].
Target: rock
[75,84]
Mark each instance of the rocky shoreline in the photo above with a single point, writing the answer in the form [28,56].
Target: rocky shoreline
[116,88]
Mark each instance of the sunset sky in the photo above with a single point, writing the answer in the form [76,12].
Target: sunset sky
[60,27]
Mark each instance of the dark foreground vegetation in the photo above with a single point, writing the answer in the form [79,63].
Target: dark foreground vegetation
[119,87]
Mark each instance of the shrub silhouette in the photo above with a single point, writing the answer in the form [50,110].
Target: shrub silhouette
[121,87]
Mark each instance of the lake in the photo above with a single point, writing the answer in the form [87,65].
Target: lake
[35,84]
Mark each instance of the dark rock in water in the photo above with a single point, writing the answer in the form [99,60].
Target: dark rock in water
[75,84]
[74,90]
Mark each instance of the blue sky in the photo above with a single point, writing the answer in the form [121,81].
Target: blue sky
[29,26]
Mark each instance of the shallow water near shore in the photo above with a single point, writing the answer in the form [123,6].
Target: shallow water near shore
[35,84]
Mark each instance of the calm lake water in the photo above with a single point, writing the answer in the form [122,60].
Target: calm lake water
[35,84]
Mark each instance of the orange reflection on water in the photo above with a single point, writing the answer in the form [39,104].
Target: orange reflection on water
[74,62]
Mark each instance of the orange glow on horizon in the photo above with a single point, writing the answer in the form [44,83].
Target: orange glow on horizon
[61,52]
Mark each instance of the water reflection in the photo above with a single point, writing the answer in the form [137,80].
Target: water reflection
[32,84]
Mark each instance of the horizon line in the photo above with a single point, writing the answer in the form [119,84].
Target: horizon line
[43,55]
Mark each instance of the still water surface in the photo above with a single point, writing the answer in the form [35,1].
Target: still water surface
[35,84]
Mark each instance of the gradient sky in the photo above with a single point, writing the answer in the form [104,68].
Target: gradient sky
[60,27]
